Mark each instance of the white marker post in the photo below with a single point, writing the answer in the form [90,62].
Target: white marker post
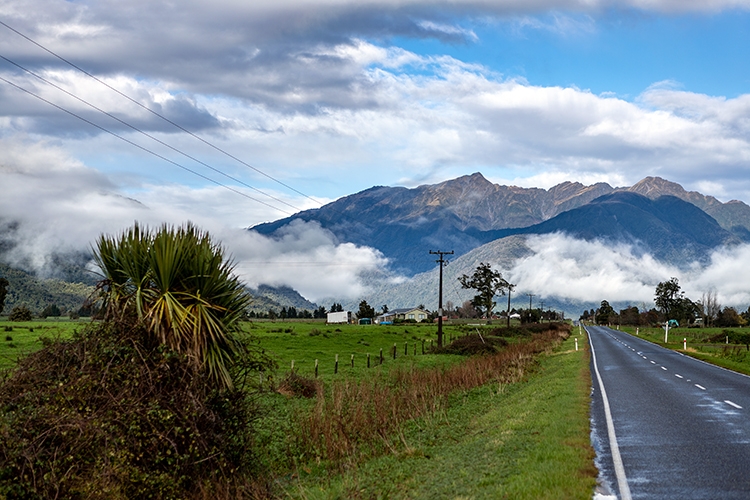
[684,343]
[576,344]
[666,331]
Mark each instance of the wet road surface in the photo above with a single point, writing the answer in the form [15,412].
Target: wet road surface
[682,427]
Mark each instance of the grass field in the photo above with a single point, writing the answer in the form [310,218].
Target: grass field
[18,339]
[728,355]
[525,439]
[528,440]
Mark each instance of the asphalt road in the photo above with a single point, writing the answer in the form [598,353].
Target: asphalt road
[682,427]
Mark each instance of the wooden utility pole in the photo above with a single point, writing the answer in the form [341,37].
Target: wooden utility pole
[510,289]
[441,262]
[530,296]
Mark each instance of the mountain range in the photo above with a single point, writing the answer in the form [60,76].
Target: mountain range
[479,221]
[464,213]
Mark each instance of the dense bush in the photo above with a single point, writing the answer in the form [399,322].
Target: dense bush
[110,414]
[470,345]
[20,313]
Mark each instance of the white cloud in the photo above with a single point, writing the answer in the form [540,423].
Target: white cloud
[305,257]
[568,268]
[62,206]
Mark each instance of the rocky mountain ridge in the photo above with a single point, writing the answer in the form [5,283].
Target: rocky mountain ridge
[467,212]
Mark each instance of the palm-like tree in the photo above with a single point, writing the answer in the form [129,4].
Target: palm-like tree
[177,283]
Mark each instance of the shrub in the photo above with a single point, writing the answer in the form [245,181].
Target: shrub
[110,414]
[473,344]
[297,385]
[20,313]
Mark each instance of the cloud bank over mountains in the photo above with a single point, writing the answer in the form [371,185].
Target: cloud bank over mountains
[581,271]
[63,209]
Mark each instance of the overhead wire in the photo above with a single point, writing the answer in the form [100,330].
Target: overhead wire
[155,113]
[142,148]
[156,139]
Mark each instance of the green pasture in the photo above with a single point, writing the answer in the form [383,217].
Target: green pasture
[303,343]
[18,339]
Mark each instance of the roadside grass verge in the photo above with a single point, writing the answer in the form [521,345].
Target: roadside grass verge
[702,344]
[525,436]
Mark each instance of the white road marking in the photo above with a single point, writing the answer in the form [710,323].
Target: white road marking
[653,362]
[700,387]
[678,375]
[663,368]
[622,480]
[732,404]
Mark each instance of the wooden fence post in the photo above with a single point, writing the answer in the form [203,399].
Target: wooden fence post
[394,351]
[352,360]
[406,348]
[316,368]
[381,355]
[336,366]
[422,346]
[368,360]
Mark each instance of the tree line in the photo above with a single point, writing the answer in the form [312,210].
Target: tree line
[672,304]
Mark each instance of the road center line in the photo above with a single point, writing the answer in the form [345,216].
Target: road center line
[653,362]
[732,404]
[700,387]
[663,368]
[622,480]
[678,375]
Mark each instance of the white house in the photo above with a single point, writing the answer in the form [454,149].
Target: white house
[403,314]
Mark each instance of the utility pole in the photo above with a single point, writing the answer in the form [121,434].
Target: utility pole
[510,289]
[442,262]
[541,316]
[530,296]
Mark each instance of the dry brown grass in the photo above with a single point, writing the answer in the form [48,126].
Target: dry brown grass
[354,419]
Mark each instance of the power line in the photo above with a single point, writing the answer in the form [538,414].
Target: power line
[133,127]
[180,127]
[143,148]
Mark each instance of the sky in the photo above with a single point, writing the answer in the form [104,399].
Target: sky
[291,104]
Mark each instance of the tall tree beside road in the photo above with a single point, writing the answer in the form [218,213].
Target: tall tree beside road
[605,314]
[673,303]
[487,283]
[668,297]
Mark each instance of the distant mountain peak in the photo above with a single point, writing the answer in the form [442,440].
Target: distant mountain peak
[653,187]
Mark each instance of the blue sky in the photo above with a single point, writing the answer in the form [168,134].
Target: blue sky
[622,52]
[331,97]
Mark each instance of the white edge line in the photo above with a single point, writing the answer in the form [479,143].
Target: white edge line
[700,387]
[622,480]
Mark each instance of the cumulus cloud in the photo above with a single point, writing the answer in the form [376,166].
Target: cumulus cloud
[304,87]
[567,268]
[57,205]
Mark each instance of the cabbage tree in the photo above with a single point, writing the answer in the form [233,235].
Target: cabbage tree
[179,286]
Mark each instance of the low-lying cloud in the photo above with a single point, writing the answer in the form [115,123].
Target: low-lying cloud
[583,271]
[61,206]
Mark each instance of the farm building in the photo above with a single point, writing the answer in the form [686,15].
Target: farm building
[403,314]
